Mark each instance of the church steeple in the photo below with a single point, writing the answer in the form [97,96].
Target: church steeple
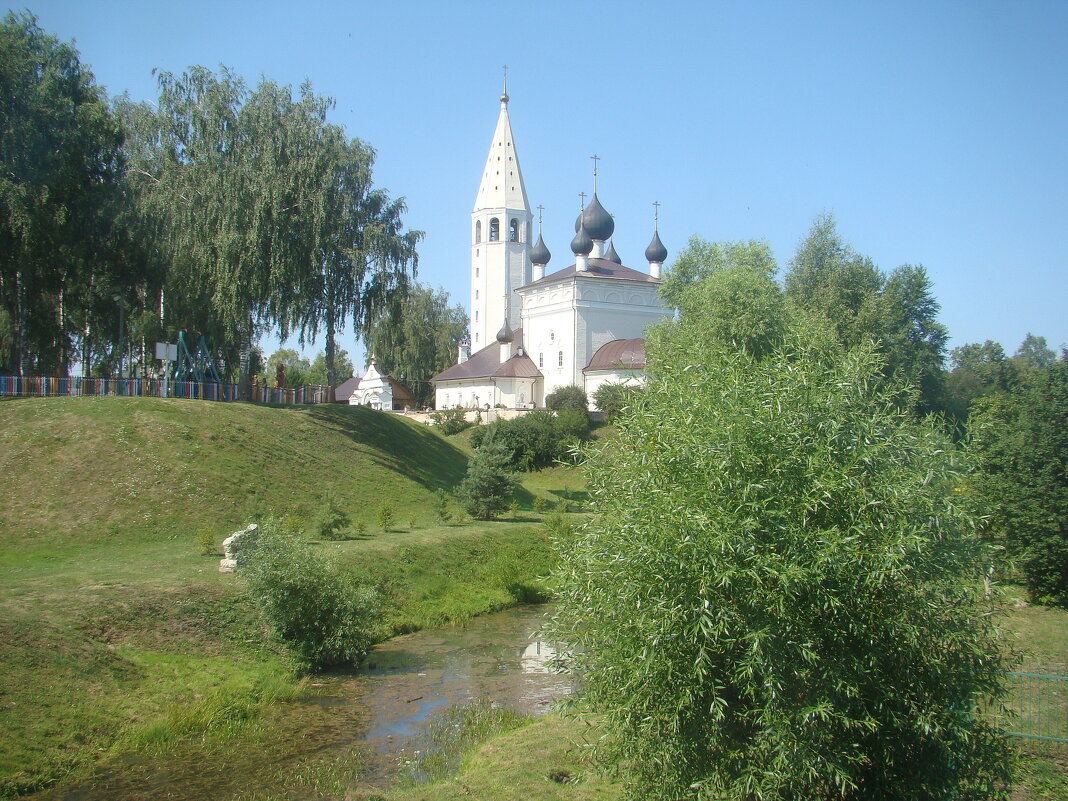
[500,235]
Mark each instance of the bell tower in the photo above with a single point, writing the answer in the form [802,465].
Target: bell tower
[500,236]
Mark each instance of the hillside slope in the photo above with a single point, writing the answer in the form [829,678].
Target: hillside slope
[95,468]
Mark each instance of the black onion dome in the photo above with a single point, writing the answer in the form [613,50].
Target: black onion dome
[539,254]
[598,222]
[505,335]
[656,250]
[611,255]
[581,245]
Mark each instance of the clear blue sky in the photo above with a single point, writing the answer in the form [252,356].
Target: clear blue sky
[936,132]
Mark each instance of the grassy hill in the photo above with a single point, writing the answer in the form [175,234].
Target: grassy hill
[117,634]
[89,469]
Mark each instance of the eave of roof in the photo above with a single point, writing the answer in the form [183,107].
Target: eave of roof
[486,363]
[597,268]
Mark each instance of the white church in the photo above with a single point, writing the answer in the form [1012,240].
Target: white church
[534,331]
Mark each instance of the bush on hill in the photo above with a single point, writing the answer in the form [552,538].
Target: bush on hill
[611,399]
[486,489]
[571,397]
[535,440]
[311,604]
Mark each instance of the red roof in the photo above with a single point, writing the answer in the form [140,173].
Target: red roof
[486,363]
[626,354]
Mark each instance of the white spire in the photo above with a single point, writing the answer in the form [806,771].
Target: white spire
[502,181]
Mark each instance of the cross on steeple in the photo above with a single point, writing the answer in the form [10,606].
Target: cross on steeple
[540,209]
[656,214]
[595,158]
[504,92]
[582,195]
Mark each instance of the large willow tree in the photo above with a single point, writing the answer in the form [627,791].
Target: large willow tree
[59,171]
[263,212]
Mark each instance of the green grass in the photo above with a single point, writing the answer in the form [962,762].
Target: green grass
[118,635]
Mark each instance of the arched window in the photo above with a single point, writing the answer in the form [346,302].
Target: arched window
[478,231]
[495,230]
[513,230]
[560,360]
[541,360]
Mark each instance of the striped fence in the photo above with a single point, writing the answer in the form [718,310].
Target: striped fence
[42,386]
[1036,708]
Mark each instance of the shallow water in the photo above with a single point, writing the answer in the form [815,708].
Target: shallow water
[379,713]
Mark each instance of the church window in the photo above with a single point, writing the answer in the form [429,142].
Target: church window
[476,294]
[513,230]
[541,360]
[478,231]
[476,313]
[495,230]
[552,336]
[476,269]
[560,360]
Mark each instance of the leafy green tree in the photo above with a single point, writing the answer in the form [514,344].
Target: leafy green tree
[386,516]
[1033,354]
[781,595]
[572,398]
[488,484]
[332,522]
[343,367]
[978,370]
[700,258]
[1023,440]
[310,602]
[441,507]
[297,368]
[416,336]
[898,313]
[263,211]
[612,399]
[60,168]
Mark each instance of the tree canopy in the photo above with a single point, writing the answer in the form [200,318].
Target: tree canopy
[781,595]
[60,164]
[415,336]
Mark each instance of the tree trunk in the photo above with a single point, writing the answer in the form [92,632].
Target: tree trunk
[244,382]
[331,348]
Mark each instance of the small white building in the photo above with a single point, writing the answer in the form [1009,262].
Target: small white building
[583,325]
[378,390]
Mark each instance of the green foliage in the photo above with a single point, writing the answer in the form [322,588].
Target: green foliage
[386,516]
[700,259]
[537,439]
[612,399]
[451,421]
[297,368]
[416,336]
[781,596]
[206,541]
[318,373]
[313,605]
[457,731]
[539,504]
[513,510]
[571,397]
[359,529]
[60,203]
[488,484]
[978,371]
[441,507]
[1023,440]
[898,313]
[332,522]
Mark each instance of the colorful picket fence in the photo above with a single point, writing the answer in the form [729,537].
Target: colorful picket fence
[44,386]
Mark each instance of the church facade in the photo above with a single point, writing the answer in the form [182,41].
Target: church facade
[534,331]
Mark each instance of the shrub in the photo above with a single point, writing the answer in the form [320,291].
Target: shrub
[331,522]
[359,528]
[539,504]
[385,516]
[487,484]
[450,421]
[537,439]
[311,604]
[611,399]
[572,397]
[205,539]
[781,596]
[513,510]
[441,506]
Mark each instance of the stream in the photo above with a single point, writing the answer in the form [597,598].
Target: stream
[377,716]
